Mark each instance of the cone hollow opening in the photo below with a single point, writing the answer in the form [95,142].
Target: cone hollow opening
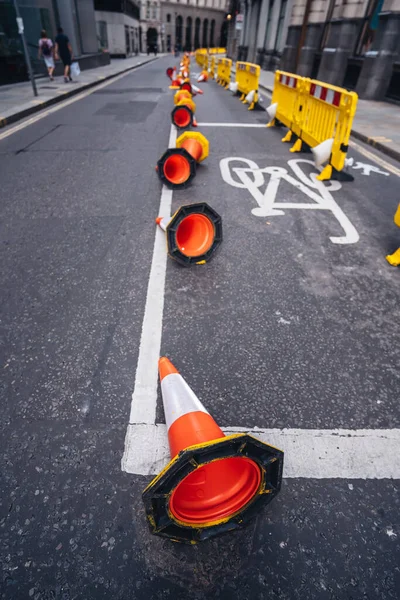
[176,169]
[182,117]
[216,491]
[195,235]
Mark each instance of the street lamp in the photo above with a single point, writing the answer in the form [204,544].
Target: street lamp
[20,24]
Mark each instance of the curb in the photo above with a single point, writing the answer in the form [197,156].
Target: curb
[38,107]
[363,138]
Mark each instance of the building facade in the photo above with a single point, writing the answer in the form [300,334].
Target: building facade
[349,43]
[118,27]
[257,30]
[151,29]
[77,19]
[194,24]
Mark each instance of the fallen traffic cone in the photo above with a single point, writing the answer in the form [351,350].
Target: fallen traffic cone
[190,87]
[193,234]
[183,114]
[177,166]
[171,72]
[214,483]
[180,94]
[176,83]
[203,76]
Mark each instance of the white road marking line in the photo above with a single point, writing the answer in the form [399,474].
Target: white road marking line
[144,397]
[61,105]
[309,453]
[372,156]
[232,124]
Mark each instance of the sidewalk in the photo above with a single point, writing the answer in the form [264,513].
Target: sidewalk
[375,123]
[17,100]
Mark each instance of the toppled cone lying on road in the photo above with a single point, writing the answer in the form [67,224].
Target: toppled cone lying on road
[214,483]
[190,87]
[182,115]
[177,166]
[203,76]
[193,234]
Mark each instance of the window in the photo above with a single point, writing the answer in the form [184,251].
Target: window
[154,11]
[102,34]
[168,18]
[148,10]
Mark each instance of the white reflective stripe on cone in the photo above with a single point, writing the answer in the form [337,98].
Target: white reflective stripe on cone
[164,223]
[178,398]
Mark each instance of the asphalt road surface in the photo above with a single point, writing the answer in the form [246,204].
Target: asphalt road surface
[292,328]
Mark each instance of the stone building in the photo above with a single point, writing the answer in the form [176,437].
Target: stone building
[258,30]
[194,23]
[117,25]
[349,43]
[151,30]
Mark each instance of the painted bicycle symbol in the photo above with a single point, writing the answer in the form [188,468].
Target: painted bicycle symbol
[244,173]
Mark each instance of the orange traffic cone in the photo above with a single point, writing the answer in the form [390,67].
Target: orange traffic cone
[171,72]
[214,483]
[183,114]
[177,166]
[190,87]
[203,76]
[181,94]
[193,234]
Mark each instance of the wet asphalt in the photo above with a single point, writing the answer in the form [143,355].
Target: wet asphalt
[283,328]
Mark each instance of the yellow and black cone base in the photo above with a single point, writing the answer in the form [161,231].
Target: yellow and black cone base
[159,493]
[194,234]
[176,168]
[182,117]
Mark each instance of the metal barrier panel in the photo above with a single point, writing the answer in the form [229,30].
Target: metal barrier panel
[328,112]
[247,78]
[224,71]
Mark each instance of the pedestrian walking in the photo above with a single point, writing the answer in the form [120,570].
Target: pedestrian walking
[64,51]
[46,50]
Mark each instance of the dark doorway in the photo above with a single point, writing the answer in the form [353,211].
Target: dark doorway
[151,38]
[224,35]
[212,34]
[197,33]
[205,33]
[188,40]
[178,32]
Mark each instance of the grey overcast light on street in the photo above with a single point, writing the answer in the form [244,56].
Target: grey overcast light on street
[200,299]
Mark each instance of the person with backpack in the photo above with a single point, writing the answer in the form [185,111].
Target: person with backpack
[64,51]
[46,50]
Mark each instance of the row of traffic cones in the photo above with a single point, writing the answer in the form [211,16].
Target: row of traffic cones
[195,231]
[213,483]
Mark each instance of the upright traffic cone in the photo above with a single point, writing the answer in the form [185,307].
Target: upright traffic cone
[193,234]
[177,166]
[182,115]
[214,483]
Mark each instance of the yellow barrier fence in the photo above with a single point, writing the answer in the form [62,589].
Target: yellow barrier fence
[224,71]
[320,114]
[201,57]
[394,259]
[247,76]
[287,94]
[212,66]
